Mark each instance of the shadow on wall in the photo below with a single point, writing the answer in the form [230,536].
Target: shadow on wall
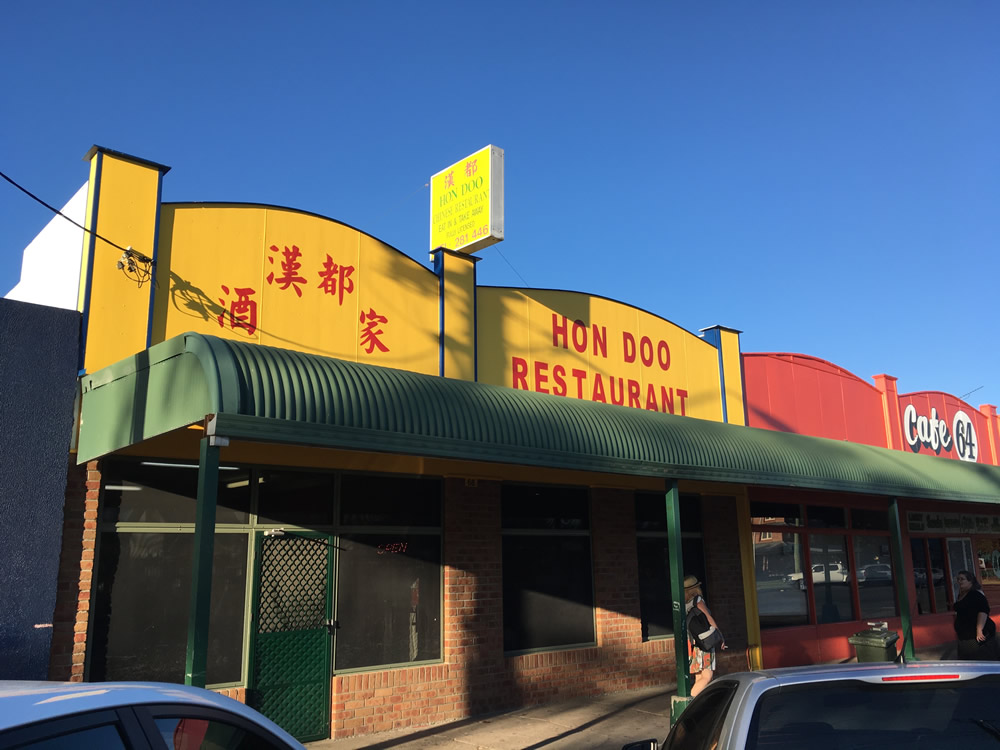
[36,412]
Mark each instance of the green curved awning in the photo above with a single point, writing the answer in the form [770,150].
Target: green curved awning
[266,394]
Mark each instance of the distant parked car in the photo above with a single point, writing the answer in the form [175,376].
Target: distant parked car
[837,574]
[876,573]
[131,716]
[830,707]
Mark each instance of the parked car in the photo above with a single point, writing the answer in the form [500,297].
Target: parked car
[820,571]
[876,573]
[829,707]
[131,716]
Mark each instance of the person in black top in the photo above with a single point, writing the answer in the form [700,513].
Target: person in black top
[975,630]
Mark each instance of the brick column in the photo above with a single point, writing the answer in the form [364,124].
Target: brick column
[76,563]
[616,569]
[473,595]
[724,579]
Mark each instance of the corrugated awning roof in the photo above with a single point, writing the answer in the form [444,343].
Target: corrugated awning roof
[275,395]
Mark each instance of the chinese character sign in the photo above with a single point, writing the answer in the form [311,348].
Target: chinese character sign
[284,278]
[467,202]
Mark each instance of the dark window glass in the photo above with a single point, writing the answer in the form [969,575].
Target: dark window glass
[651,512]
[195,733]
[388,599]
[372,500]
[167,492]
[655,594]
[700,726]
[297,498]
[852,714]
[870,520]
[938,584]
[831,578]
[548,507]
[823,517]
[779,514]
[874,573]
[106,737]
[141,605]
[548,594]
[781,586]
[919,554]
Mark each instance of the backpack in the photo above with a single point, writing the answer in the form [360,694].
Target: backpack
[703,634]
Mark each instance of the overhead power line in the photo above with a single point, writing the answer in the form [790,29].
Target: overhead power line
[135,265]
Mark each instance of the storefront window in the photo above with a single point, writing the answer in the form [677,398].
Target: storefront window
[781,590]
[388,600]
[831,578]
[824,567]
[141,604]
[822,517]
[873,564]
[151,492]
[548,591]
[776,514]
[652,546]
[929,575]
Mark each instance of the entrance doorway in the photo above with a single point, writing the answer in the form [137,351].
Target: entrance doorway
[291,635]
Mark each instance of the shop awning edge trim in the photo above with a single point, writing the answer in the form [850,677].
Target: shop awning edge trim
[275,395]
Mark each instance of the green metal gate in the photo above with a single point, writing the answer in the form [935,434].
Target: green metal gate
[290,660]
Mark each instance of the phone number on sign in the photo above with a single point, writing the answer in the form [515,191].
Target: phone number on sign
[463,239]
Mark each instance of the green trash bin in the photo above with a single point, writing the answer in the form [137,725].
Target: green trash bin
[878,643]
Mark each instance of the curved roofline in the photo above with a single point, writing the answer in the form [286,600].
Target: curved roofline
[939,393]
[276,207]
[599,296]
[834,365]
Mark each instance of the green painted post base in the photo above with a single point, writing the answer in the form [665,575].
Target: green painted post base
[677,706]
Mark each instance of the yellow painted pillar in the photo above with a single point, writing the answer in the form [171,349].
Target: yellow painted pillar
[118,274]
[457,272]
[727,341]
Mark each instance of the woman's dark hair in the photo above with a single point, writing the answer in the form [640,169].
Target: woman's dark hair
[971,579]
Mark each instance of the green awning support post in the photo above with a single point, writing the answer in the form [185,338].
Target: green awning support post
[201,570]
[899,578]
[676,560]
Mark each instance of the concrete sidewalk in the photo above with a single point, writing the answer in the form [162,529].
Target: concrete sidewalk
[604,722]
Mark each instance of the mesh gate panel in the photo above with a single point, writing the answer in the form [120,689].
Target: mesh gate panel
[291,648]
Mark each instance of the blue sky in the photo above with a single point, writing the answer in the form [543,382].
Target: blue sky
[824,177]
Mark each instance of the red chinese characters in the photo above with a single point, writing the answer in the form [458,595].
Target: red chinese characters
[242,311]
[371,331]
[471,167]
[336,279]
[289,269]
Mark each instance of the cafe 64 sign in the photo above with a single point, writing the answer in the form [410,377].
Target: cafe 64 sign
[931,433]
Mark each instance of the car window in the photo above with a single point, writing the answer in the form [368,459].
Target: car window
[898,716]
[188,733]
[98,729]
[107,736]
[700,725]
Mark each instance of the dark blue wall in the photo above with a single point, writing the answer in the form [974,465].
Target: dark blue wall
[38,367]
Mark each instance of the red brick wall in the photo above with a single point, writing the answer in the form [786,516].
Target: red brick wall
[476,677]
[76,564]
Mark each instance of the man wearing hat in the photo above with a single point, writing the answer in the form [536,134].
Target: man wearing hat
[702,662]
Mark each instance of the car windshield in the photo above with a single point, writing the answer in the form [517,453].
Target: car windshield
[847,714]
